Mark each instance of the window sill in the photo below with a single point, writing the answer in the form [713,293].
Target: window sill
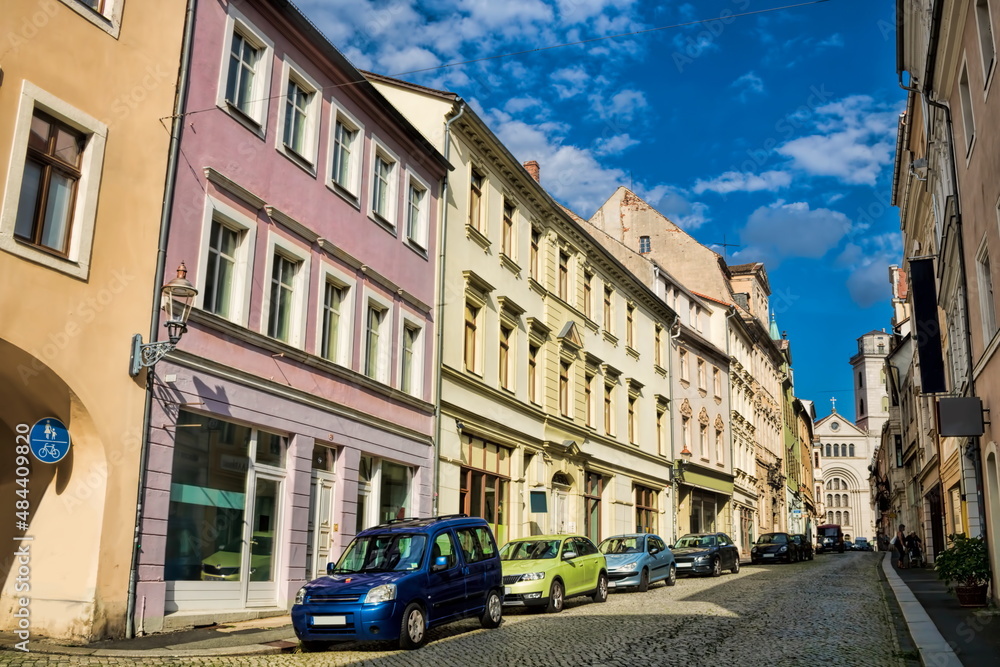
[685,383]
[344,194]
[382,222]
[109,24]
[298,160]
[44,256]
[477,236]
[702,393]
[610,337]
[243,119]
[660,370]
[510,265]
[632,352]
[536,286]
[416,247]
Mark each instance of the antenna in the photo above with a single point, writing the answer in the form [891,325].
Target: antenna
[724,245]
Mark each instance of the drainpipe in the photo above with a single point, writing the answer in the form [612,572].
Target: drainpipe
[443,217]
[729,418]
[166,210]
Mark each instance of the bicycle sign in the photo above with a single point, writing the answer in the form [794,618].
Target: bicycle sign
[49,440]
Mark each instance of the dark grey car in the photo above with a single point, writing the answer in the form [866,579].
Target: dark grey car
[706,553]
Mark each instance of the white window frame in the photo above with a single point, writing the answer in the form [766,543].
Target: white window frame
[420,238]
[987,304]
[985,40]
[386,329]
[300,295]
[409,320]
[307,159]
[108,19]
[256,120]
[328,273]
[84,216]
[215,209]
[352,189]
[965,102]
[377,148]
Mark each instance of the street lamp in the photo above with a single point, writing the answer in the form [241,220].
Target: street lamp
[176,300]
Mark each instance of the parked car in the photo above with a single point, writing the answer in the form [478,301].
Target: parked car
[829,537]
[848,545]
[638,559]
[224,564]
[772,547]
[804,546]
[862,544]
[706,553]
[397,580]
[544,570]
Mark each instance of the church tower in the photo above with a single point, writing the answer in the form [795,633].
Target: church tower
[871,396]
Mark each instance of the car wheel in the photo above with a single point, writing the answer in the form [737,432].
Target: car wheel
[716,567]
[555,598]
[736,566]
[493,613]
[601,594]
[314,646]
[644,581]
[672,577]
[413,630]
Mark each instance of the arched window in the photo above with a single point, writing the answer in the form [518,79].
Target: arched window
[885,404]
[829,484]
[861,407]
[861,382]
[829,517]
[828,450]
[838,515]
[836,483]
[851,449]
[829,500]
[836,450]
[847,518]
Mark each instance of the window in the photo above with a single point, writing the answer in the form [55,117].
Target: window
[861,407]
[333,302]
[828,450]
[630,325]
[588,294]
[593,489]
[658,345]
[49,184]
[533,373]
[685,366]
[645,510]
[384,187]
[847,518]
[409,366]
[223,244]
[702,375]
[484,485]
[609,409]
[471,337]
[987,48]
[836,450]
[345,153]
[296,110]
[661,431]
[564,396]
[816,460]
[375,342]
[588,390]
[506,333]
[476,218]
[829,500]
[851,451]
[703,441]
[633,431]
[103,14]
[686,434]
[245,79]
[563,275]
[282,304]
[298,116]
[417,211]
[507,242]
[608,295]
[968,120]
[717,382]
[719,447]
[536,237]
[644,245]
[987,306]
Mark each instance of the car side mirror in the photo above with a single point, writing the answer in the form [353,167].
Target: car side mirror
[654,550]
[569,555]
[330,567]
[440,563]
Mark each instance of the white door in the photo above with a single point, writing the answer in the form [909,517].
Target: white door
[320,523]
[260,560]
[559,511]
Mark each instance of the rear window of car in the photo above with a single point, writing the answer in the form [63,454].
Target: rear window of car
[476,543]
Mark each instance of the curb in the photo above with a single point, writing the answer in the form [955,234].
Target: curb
[269,648]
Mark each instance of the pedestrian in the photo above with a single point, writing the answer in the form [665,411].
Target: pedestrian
[899,542]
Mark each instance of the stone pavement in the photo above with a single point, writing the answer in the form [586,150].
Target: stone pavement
[828,611]
[946,633]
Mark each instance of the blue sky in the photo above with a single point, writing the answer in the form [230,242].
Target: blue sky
[775,131]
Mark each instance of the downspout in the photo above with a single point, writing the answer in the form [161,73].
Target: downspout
[732,443]
[166,211]
[443,217]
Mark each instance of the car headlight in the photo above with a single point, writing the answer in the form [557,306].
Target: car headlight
[300,597]
[753,550]
[532,576]
[782,549]
[382,593]
[699,559]
[629,567]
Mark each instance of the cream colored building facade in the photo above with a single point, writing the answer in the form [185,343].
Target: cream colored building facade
[83,93]
[555,402]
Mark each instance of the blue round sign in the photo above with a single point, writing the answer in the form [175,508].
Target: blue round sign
[49,440]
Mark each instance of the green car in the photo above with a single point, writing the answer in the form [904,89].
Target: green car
[544,570]
[224,564]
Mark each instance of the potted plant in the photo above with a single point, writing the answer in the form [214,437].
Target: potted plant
[965,568]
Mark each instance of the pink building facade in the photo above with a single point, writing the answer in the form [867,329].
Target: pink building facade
[299,407]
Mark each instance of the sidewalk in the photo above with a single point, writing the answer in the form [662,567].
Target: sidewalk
[945,633]
[258,637]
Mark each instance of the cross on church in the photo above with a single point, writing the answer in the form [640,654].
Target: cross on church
[833,401]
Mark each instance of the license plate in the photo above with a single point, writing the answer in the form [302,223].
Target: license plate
[768,555]
[683,564]
[329,620]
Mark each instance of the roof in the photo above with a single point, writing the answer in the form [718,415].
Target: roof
[443,94]
[410,523]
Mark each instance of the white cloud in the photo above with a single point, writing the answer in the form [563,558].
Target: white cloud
[746,84]
[676,204]
[735,181]
[615,145]
[853,140]
[784,230]
[519,104]
[621,107]
[570,81]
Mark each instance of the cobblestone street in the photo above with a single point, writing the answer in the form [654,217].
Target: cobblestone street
[766,615]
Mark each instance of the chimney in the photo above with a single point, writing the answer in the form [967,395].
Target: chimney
[532,168]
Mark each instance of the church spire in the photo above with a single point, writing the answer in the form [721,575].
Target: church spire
[775,334]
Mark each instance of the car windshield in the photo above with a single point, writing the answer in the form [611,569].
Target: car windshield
[383,553]
[530,550]
[829,532]
[772,538]
[704,541]
[621,545]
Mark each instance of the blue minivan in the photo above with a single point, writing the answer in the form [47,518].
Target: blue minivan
[397,580]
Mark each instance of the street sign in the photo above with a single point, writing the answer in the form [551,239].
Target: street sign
[796,513]
[49,440]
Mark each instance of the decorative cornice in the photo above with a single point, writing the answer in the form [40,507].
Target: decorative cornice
[232,187]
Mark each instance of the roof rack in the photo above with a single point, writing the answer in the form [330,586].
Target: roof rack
[422,520]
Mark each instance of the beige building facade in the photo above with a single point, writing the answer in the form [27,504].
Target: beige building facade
[84,159]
